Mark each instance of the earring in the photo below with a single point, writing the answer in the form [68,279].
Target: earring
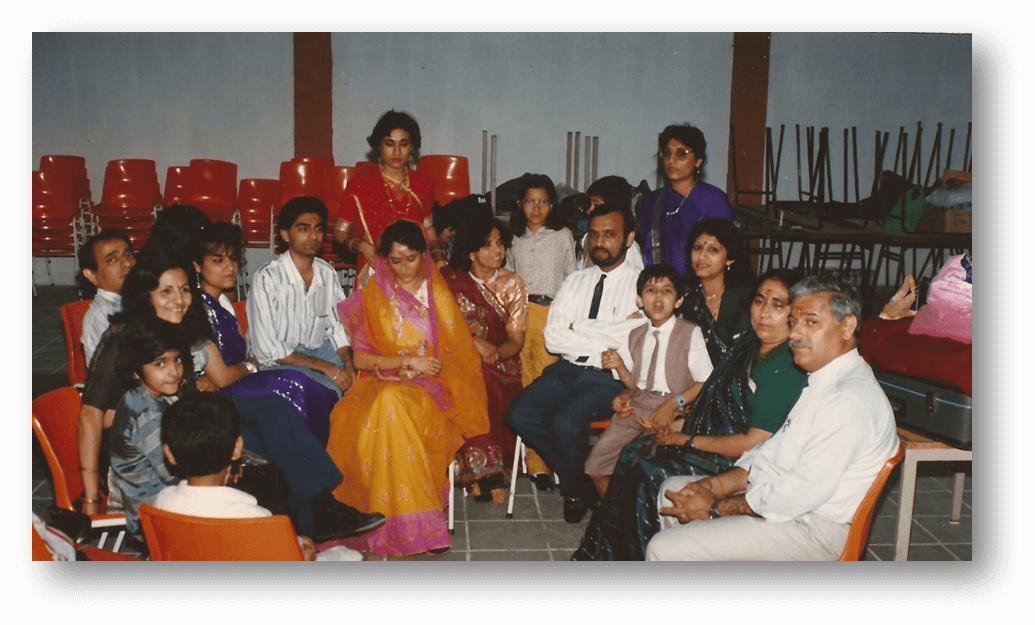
[413,162]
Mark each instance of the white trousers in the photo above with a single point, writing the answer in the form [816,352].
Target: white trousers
[807,537]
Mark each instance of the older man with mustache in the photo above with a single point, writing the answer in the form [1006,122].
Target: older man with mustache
[793,496]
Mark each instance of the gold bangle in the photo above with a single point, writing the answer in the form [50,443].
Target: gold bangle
[97,500]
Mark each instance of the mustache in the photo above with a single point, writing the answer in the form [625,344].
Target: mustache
[799,343]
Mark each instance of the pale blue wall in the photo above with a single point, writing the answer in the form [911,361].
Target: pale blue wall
[530,89]
[169,97]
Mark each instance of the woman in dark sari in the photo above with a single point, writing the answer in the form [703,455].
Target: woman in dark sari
[494,303]
[719,285]
[217,259]
[744,401]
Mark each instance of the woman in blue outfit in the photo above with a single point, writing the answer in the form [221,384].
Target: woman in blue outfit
[218,250]
[743,403]
[667,214]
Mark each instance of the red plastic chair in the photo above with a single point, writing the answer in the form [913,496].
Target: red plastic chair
[172,536]
[68,168]
[256,199]
[366,168]
[448,175]
[241,309]
[175,186]
[130,188]
[55,196]
[322,161]
[212,188]
[298,178]
[55,417]
[72,315]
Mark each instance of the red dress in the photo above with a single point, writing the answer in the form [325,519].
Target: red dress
[372,203]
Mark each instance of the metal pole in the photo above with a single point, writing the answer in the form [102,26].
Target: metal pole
[485,161]
[492,174]
[596,156]
[567,163]
[589,148]
[575,163]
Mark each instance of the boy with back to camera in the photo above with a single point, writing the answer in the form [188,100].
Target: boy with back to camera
[201,441]
[666,353]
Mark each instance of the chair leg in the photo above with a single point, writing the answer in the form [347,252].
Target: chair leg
[103,539]
[118,541]
[957,498]
[518,455]
[452,475]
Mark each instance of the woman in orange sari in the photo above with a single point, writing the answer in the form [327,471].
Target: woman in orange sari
[419,394]
[372,202]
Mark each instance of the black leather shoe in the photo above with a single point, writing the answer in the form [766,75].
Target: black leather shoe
[340,521]
[575,509]
[543,481]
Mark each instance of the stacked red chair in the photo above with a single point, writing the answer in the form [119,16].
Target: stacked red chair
[256,199]
[55,207]
[212,188]
[448,176]
[130,198]
[366,168]
[335,184]
[175,186]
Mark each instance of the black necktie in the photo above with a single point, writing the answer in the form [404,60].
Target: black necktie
[594,306]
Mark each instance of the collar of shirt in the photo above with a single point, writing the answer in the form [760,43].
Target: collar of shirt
[830,372]
[665,328]
[295,277]
[112,299]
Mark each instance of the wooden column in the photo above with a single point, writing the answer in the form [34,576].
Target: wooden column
[313,104]
[749,95]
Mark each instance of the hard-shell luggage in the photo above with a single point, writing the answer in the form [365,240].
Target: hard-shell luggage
[939,410]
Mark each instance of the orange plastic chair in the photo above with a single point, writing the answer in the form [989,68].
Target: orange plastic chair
[40,551]
[72,315]
[130,187]
[172,536]
[212,187]
[859,530]
[301,178]
[175,186]
[366,168]
[55,417]
[448,176]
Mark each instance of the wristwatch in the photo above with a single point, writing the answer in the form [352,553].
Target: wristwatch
[680,401]
[713,512]
[689,444]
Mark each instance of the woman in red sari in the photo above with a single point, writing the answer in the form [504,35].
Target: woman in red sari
[417,398]
[372,203]
[494,302]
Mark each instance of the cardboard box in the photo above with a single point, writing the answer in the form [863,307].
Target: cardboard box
[940,219]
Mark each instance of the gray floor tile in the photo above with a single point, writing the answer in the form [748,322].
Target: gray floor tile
[884,553]
[524,509]
[930,553]
[552,506]
[936,504]
[945,532]
[510,556]
[507,534]
[963,552]
[562,535]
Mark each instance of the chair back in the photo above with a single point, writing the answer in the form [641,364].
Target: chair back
[172,536]
[859,530]
[176,191]
[130,187]
[72,315]
[55,418]
[212,187]
[256,198]
[448,176]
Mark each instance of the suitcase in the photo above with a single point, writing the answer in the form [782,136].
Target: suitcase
[938,410]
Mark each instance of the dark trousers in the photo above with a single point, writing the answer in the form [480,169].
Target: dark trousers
[552,416]
[271,428]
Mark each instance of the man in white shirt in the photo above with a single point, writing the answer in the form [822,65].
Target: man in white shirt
[793,496]
[104,260]
[590,315]
[292,306]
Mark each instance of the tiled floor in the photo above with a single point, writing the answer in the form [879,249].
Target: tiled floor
[538,531]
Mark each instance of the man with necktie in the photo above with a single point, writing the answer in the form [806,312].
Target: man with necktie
[594,311]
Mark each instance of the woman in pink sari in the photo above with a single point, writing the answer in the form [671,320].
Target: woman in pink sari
[418,396]
[494,302]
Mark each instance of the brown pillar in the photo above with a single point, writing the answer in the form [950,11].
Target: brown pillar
[313,103]
[749,95]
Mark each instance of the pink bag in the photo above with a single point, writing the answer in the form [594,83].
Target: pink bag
[948,309]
